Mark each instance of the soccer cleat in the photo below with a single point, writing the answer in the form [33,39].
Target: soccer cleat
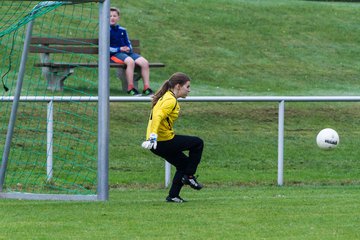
[191,181]
[148,92]
[177,199]
[133,92]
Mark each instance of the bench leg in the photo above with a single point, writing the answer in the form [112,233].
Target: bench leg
[55,77]
[122,76]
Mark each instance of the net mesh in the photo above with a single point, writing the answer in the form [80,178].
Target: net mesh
[74,142]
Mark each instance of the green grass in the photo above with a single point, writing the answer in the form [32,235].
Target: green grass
[215,213]
[232,47]
[251,47]
[241,143]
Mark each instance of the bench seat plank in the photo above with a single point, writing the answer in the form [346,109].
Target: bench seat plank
[57,72]
[90,65]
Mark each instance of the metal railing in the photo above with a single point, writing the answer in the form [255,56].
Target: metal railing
[281,115]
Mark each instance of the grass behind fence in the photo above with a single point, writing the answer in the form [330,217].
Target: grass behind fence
[240,47]
[241,144]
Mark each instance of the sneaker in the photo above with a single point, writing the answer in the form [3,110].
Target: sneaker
[148,92]
[191,181]
[133,92]
[177,199]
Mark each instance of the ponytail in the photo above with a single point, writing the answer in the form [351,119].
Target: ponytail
[176,78]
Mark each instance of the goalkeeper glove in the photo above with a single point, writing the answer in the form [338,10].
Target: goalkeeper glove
[151,142]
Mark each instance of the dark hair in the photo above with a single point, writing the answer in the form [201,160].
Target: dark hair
[176,78]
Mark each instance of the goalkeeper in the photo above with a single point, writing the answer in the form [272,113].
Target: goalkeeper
[162,140]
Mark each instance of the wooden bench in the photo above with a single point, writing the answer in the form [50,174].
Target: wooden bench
[56,73]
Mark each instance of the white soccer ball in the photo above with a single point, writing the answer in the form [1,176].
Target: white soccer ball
[327,138]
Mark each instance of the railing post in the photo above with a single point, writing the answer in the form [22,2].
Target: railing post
[49,141]
[167,173]
[280,180]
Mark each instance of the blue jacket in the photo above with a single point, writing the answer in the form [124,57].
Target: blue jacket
[118,38]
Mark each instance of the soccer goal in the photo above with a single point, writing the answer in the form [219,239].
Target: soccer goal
[54,143]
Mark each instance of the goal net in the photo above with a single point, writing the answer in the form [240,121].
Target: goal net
[52,152]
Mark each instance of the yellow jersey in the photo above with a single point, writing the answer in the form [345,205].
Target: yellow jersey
[163,116]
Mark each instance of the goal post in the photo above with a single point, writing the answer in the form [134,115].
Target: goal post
[84,180]
[103,113]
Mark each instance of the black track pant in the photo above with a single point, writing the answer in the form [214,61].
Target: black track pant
[173,152]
